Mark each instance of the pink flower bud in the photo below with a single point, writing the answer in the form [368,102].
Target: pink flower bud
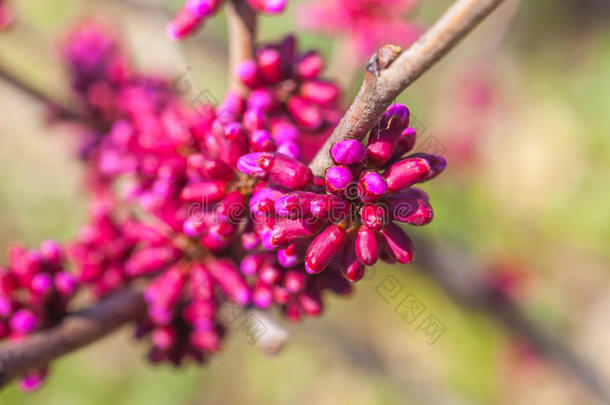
[262,99]
[305,113]
[437,163]
[324,248]
[367,249]
[205,191]
[255,119]
[294,281]
[406,172]
[23,322]
[268,6]
[374,216]
[338,179]
[262,296]
[232,283]
[295,205]
[291,149]
[33,380]
[309,66]
[351,268]
[209,168]
[163,337]
[42,284]
[348,152]
[277,169]
[183,24]
[410,209]
[283,130]
[396,243]
[320,92]
[406,142]
[262,141]
[203,8]
[232,208]
[207,341]
[287,231]
[371,187]
[51,252]
[270,65]
[331,207]
[288,257]
[311,303]
[247,71]
[148,260]
[252,263]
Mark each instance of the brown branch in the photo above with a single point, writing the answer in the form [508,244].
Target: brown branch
[61,112]
[390,71]
[241,23]
[77,330]
[463,279]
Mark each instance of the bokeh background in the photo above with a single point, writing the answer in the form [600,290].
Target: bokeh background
[520,108]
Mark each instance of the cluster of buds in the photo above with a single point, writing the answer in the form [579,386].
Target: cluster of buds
[183,304]
[366,24]
[194,13]
[34,294]
[287,88]
[348,217]
[281,280]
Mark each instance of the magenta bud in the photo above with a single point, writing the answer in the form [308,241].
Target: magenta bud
[437,163]
[262,99]
[202,8]
[209,168]
[232,208]
[407,172]
[351,268]
[410,208]
[383,139]
[295,205]
[270,274]
[309,66]
[254,119]
[233,105]
[250,240]
[276,168]
[320,92]
[288,257]
[305,113]
[371,187]
[374,216]
[262,296]
[294,281]
[252,263]
[338,179]
[324,248]
[291,149]
[163,337]
[331,207]
[150,259]
[348,152]
[396,243]
[183,24]
[247,71]
[270,65]
[23,322]
[367,249]
[395,117]
[287,231]
[205,191]
[311,303]
[268,6]
[6,306]
[262,141]
[51,251]
[33,380]
[66,284]
[283,130]
[42,284]
[230,280]
[206,340]
[406,142]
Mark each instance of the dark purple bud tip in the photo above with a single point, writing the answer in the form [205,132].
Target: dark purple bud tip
[396,117]
[348,152]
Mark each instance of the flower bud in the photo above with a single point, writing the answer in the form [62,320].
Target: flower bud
[262,141]
[309,66]
[367,249]
[203,8]
[290,149]
[374,216]
[23,322]
[262,295]
[324,248]
[287,231]
[268,6]
[338,179]
[319,91]
[232,283]
[437,163]
[351,268]
[331,207]
[209,168]
[294,281]
[348,152]
[232,208]
[183,24]
[410,209]
[295,205]
[205,191]
[270,65]
[248,73]
[277,169]
[148,260]
[371,187]
[396,243]
[407,172]
[305,113]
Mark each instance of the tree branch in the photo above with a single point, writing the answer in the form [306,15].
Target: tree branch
[390,71]
[241,23]
[463,279]
[77,330]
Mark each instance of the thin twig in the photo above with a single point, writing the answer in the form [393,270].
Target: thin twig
[463,279]
[61,112]
[77,330]
[390,71]
[241,23]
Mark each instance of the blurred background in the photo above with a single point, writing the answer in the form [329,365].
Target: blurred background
[520,109]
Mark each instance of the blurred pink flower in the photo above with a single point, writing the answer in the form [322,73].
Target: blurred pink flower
[367,24]
[7,15]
